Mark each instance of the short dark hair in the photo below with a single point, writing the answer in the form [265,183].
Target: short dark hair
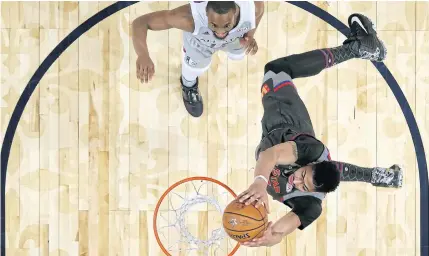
[326,177]
[221,7]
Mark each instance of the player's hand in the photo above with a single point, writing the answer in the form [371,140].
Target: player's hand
[144,68]
[256,192]
[249,44]
[268,239]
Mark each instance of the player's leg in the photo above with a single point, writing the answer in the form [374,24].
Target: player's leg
[283,107]
[194,64]
[362,43]
[280,97]
[377,176]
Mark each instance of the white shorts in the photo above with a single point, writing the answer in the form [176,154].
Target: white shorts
[199,57]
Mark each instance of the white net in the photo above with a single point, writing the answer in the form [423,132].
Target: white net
[189,221]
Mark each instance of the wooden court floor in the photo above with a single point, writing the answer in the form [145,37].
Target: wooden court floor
[95,149]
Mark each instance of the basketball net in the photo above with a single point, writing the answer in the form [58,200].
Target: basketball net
[183,203]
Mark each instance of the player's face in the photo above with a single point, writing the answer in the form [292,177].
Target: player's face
[221,24]
[302,179]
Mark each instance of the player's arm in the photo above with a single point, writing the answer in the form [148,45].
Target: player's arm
[259,12]
[281,154]
[285,225]
[179,18]
[305,210]
[302,150]
[275,232]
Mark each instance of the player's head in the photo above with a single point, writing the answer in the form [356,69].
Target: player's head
[221,17]
[320,177]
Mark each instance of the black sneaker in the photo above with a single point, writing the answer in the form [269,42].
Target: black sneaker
[387,177]
[360,25]
[363,39]
[192,99]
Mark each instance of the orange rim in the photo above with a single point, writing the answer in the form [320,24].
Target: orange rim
[155,213]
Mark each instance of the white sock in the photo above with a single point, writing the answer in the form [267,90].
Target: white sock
[188,83]
[190,74]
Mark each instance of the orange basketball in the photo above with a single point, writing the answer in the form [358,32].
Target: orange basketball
[244,222]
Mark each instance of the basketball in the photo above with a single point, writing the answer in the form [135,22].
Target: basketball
[244,222]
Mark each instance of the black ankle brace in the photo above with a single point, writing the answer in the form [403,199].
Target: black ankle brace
[337,55]
[350,172]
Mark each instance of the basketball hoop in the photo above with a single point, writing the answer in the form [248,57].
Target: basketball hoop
[175,215]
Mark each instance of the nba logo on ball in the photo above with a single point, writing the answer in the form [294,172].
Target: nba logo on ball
[233,222]
[244,222]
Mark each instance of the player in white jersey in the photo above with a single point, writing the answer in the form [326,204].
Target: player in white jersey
[207,27]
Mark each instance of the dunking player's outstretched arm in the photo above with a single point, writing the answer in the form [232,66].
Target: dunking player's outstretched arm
[275,232]
[281,154]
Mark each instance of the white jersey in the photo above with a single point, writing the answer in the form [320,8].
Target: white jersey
[203,39]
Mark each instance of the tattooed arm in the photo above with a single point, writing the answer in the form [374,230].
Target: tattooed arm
[281,154]
[305,210]
[275,232]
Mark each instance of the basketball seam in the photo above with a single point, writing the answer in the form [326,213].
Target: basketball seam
[245,230]
[260,213]
[245,215]
[265,219]
[260,231]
